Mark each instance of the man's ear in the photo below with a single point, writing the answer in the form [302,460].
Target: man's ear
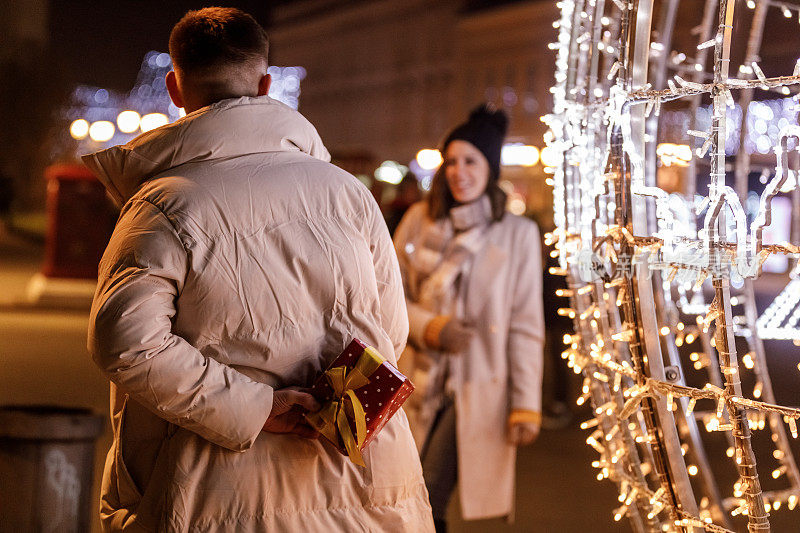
[263,85]
[174,90]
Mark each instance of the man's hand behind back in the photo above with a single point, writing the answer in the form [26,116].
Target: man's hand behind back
[288,407]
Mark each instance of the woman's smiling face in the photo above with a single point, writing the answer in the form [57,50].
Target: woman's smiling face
[466,171]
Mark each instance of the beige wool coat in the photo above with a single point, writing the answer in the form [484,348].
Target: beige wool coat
[501,296]
[242,261]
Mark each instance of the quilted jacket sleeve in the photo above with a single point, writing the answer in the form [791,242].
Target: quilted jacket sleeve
[131,339]
[526,326]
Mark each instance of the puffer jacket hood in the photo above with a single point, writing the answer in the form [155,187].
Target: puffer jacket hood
[228,128]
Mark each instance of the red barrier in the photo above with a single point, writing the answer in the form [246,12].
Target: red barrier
[80,220]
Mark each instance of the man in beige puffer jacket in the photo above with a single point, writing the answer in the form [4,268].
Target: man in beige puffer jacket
[241,265]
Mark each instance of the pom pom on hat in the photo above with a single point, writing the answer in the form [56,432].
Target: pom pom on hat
[485,129]
[490,114]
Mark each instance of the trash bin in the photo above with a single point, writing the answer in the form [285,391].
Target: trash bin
[80,220]
[46,464]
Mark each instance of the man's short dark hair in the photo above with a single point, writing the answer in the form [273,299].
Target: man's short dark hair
[216,37]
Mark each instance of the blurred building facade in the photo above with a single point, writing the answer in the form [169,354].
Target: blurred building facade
[23,25]
[25,113]
[386,78]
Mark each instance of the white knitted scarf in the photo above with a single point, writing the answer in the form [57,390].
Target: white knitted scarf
[445,249]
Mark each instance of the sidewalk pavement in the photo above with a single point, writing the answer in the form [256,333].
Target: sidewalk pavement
[43,357]
[20,259]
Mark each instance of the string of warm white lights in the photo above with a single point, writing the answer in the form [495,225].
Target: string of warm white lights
[781,319]
[671,391]
[628,248]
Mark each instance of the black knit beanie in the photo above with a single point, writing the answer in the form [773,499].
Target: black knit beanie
[485,129]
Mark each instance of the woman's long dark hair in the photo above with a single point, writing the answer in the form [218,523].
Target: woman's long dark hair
[440,199]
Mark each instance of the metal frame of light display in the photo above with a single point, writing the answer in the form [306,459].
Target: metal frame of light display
[651,274]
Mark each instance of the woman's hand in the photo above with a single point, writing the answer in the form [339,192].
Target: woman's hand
[455,336]
[523,426]
[288,407]
[448,334]
[523,433]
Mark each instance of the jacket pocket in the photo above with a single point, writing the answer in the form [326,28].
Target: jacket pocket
[127,491]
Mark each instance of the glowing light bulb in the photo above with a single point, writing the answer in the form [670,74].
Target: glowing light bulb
[429,158]
[128,121]
[79,129]
[101,131]
[152,121]
[522,155]
[550,156]
[390,172]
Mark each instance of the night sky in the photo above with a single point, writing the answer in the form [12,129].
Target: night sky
[103,43]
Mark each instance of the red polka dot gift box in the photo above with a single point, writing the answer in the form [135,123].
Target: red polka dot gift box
[359,392]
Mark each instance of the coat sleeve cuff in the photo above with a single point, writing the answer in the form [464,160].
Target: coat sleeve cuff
[418,319]
[524,416]
[262,399]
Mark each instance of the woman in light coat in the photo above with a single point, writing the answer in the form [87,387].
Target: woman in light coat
[242,263]
[472,274]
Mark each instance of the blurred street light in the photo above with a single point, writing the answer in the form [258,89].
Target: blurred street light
[674,154]
[516,204]
[152,121]
[519,155]
[79,129]
[429,159]
[390,172]
[101,131]
[128,121]
[550,157]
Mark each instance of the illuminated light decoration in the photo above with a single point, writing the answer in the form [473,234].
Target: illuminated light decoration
[101,96]
[429,159]
[781,320]
[149,95]
[162,60]
[79,129]
[550,157]
[128,121]
[636,257]
[674,154]
[152,121]
[765,119]
[285,85]
[390,172]
[519,154]
[425,182]
[516,204]
[101,131]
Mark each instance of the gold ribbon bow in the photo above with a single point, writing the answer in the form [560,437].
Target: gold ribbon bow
[333,419]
